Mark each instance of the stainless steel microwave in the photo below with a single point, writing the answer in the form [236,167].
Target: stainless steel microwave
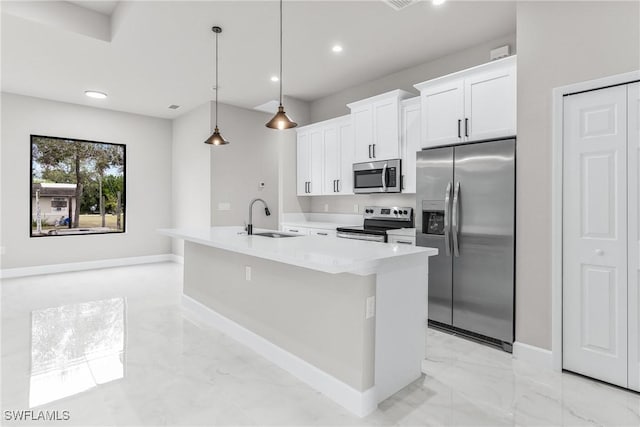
[383,176]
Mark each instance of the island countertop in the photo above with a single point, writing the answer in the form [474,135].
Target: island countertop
[329,255]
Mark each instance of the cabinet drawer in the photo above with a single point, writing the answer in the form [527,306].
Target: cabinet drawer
[296,230]
[322,233]
[402,240]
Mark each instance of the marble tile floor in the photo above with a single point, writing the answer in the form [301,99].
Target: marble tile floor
[113,347]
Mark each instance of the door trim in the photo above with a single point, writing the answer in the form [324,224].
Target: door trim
[557,164]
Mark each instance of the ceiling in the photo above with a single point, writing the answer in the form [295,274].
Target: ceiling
[162,52]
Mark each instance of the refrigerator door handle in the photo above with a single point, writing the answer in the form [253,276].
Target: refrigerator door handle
[455,219]
[447,223]
[384,177]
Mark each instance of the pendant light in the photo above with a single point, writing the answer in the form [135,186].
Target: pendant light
[281,120]
[216,138]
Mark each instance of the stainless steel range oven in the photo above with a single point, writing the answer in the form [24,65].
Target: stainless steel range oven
[382,176]
[377,220]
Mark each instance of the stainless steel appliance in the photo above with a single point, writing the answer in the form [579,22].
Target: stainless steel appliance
[381,176]
[466,209]
[377,220]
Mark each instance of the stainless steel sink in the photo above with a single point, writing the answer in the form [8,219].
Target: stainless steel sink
[275,234]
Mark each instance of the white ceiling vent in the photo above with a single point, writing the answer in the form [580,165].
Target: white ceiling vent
[400,4]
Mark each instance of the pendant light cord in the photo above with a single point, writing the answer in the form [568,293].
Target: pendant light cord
[216,80]
[280,52]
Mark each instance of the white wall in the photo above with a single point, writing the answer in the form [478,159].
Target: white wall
[148,142]
[191,171]
[237,169]
[558,43]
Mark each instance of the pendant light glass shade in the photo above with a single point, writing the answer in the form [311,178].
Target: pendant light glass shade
[216,138]
[281,120]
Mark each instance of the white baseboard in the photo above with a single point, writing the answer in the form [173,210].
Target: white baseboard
[9,273]
[534,355]
[357,402]
[178,259]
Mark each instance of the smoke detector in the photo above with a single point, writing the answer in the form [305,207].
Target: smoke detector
[400,4]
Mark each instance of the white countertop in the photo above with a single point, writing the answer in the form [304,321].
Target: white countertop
[404,232]
[313,252]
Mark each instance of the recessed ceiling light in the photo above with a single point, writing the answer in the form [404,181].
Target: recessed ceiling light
[337,48]
[95,94]
[274,78]
[438,2]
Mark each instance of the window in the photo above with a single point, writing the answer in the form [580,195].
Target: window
[77,187]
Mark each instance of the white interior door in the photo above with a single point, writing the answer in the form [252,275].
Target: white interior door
[634,233]
[595,235]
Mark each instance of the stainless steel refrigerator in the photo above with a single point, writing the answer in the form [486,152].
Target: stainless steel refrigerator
[466,209]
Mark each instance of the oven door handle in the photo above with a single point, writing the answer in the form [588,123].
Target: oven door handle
[384,177]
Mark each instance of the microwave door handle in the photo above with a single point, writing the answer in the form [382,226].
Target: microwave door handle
[447,222]
[455,220]
[384,177]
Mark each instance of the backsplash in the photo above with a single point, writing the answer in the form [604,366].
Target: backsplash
[345,204]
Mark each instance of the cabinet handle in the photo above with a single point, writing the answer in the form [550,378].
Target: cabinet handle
[305,187]
[309,186]
[369,150]
[404,242]
[466,127]
[293,230]
[374,151]
[459,129]
[337,185]
[402,182]
[322,234]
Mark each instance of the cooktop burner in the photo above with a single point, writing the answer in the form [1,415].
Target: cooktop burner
[377,220]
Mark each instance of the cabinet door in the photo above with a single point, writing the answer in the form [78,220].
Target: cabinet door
[331,160]
[362,122]
[345,138]
[634,233]
[595,235]
[385,130]
[303,163]
[316,162]
[490,104]
[295,230]
[409,142]
[442,114]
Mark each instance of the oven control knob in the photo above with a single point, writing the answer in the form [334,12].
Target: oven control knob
[404,212]
[395,212]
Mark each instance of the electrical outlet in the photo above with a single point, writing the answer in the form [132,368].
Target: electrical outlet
[247,273]
[326,207]
[371,307]
[355,208]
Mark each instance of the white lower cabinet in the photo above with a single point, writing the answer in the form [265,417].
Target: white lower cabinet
[308,231]
[322,232]
[295,230]
[402,240]
[601,323]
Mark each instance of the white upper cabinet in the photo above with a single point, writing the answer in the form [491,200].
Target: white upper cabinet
[325,158]
[338,156]
[470,105]
[443,113]
[309,161]
[376,126]
[409,141]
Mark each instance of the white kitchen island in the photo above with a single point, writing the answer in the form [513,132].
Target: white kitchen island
[345,316]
